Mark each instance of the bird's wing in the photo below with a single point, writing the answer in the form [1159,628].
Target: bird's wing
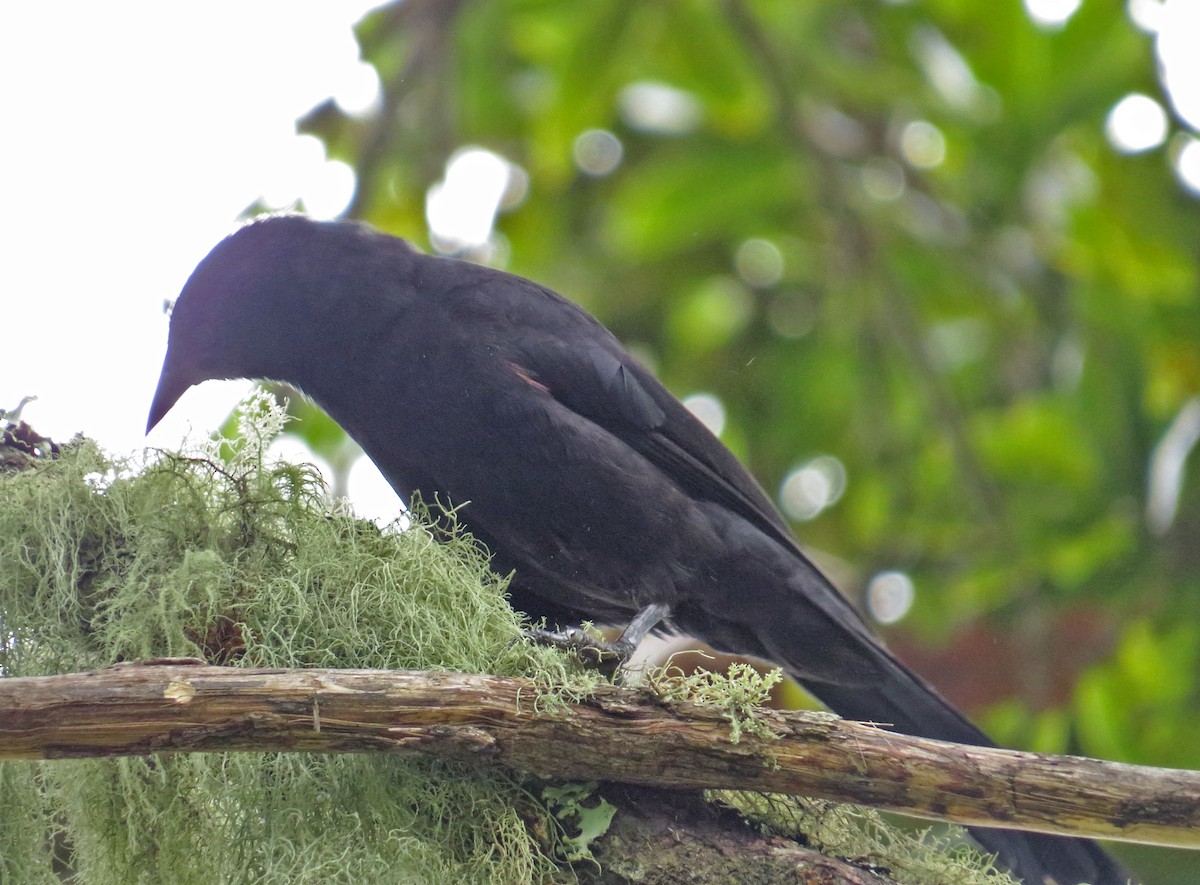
[606,385]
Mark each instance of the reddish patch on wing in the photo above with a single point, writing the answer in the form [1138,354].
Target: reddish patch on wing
[527,378]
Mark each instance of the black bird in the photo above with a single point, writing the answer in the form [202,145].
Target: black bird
[582,473]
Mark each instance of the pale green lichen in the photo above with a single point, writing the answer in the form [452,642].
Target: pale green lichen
[931,856]
[740,693]
[221,555]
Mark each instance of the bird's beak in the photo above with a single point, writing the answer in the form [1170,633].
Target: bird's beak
[170,389]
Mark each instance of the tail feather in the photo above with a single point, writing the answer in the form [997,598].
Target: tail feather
[908,705]
[825,645]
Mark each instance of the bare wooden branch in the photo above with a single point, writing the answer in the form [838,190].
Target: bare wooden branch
[616,735]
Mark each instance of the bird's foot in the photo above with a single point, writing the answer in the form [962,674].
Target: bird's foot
[600,654]
[592,651]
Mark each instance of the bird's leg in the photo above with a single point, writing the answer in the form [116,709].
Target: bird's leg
[641,625]
[600,653]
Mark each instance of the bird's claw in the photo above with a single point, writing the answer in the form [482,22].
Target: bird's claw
[591,651]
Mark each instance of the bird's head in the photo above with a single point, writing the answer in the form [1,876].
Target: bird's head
[247,309]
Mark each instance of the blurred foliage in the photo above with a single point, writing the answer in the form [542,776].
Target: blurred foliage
[992,345]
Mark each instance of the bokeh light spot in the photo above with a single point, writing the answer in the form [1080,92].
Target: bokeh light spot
[461,208]
[948,72]
[1168,464]
[1136,123]
[958,342]
[890,595]
[1146,14]
[1187,163]
[659,108]
[923,144]
[883,179]
[792,315]
[330,189]
[708,409]
[1051,14]
[812,487]
[597,152]
[1178,35]
[759,263]
[358,91]
[835,132]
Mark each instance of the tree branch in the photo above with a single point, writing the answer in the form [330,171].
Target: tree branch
[669,837]
[617,734]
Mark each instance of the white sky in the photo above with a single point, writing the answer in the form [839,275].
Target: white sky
[134,134]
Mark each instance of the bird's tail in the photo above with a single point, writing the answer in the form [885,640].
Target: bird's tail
[907,704]
[823,643]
